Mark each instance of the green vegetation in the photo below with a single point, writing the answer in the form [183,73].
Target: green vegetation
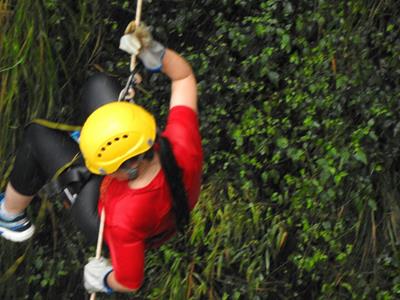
[299,108]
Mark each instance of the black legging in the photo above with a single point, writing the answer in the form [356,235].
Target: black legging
[44,151]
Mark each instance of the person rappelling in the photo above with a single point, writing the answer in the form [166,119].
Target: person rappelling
[142,180]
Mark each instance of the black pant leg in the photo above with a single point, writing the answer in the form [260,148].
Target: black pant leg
[42,152]
[84,211]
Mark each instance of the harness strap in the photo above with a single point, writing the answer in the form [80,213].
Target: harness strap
[55,125]
[66,166]
[70,182]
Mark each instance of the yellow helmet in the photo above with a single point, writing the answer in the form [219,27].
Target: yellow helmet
[114,133]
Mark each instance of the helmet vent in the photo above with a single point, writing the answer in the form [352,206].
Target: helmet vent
[109,143]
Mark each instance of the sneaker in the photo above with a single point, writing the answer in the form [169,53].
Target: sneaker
[17,229]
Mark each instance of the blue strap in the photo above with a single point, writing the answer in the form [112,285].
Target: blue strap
[75,135]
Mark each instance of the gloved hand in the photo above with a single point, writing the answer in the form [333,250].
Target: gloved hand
[139,41]
[95,274]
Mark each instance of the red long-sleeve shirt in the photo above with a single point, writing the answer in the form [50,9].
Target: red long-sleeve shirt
[133,216]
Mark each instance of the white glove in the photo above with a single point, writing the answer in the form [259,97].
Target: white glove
[95,273]
[152,57]
[130,44]
[138,41]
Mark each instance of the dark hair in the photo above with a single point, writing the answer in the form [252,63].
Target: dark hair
[173,174]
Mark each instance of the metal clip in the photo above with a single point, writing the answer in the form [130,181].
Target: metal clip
[71,197]
[128,92]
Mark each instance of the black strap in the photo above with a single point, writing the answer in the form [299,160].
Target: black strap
[73,178]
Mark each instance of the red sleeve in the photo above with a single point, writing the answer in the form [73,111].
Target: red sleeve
[127,257]
[182,130]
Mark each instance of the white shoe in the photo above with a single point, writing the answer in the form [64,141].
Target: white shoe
[18,229]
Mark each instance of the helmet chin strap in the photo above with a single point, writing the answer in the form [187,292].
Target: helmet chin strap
[133,172]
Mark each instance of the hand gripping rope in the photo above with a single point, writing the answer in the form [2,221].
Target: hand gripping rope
[123,95]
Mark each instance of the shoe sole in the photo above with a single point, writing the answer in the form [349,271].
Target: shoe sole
[17,236]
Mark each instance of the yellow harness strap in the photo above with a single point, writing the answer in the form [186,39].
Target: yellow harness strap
[55,125]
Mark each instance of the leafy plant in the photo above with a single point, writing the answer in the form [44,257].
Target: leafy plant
[299,110]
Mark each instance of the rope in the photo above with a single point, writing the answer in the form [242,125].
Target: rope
[137,22]
[102,217]
[132,66]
